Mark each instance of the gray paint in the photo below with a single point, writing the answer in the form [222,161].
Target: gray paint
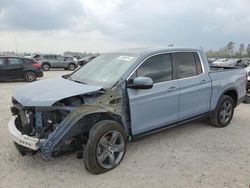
[154,107]
[47,92]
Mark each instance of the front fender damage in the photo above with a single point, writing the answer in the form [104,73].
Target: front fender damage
[111,102]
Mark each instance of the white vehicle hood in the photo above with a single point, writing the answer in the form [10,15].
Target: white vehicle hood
[47,92]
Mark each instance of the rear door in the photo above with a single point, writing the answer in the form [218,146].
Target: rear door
[14,68]
[158,106]
[64,61]
[194,83]
[59,61]
[52,60]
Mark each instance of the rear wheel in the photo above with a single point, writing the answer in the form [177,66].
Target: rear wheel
[46,67]
[106,147]
[223,113]
[30,76]
[71,67]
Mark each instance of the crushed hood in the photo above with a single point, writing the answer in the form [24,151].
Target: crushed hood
[47,92]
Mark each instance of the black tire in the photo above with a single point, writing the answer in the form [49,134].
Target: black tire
[247,100]
[71,67]
[30,76]
[223,113]
[45,67]
[94,150]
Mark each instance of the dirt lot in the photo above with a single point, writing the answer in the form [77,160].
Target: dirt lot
[192,155]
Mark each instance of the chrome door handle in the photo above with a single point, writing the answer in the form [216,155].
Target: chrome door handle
[171,89]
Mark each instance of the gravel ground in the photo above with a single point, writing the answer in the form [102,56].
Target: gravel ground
[192,155]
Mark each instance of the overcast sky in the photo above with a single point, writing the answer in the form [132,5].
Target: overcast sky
[103,25]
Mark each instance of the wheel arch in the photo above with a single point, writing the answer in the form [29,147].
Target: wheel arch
[77,123]
[91,119]
[46,62]
[232,93]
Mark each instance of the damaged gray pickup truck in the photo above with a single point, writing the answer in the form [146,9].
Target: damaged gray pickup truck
[118,97]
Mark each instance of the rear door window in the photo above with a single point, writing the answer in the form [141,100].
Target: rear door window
[188,64]
[198,63]
[14,61]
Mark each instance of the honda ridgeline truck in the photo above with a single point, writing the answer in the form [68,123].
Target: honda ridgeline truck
[119,97]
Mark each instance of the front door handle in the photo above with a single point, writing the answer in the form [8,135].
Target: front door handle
[171,89]
[203,81]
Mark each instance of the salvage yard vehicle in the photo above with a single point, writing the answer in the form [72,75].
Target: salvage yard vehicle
[49,61]
[95,111]
[14,68]
[85,60]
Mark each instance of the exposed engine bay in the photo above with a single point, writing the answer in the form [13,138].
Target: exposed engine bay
[63,127]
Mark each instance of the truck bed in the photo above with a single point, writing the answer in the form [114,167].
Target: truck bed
[224,78]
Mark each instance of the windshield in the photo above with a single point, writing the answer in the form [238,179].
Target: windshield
[104,70]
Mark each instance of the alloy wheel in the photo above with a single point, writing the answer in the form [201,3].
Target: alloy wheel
[30,76]
[226,112]
[110,149]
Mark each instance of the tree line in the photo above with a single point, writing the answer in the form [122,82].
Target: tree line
[230,51]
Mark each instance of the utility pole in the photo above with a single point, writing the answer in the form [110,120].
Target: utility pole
[15,45]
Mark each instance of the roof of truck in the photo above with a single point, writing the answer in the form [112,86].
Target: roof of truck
[141,51]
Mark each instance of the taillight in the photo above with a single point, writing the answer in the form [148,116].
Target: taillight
[36,65]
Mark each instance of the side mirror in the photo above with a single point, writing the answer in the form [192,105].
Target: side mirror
[141,83]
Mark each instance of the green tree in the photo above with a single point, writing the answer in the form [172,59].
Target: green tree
[248,50]
[230,49]
[242,49]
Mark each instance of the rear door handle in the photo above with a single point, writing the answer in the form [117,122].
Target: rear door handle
[171,89]
[203,81]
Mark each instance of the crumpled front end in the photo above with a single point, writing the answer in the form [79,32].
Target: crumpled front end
[29,127]
[63,127]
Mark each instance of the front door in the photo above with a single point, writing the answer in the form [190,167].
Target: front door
[158,106]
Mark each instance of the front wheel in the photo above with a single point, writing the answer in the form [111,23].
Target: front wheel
[106,147]
[223,113]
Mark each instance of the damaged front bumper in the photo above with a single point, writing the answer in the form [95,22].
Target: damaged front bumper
[22,139]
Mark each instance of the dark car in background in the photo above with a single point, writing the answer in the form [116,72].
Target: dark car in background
[85,60]
[12,68]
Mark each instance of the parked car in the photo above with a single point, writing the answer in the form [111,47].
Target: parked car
[248,77]
[48,61]
[233,62]
[136,92]
[12,68]
[85,60]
